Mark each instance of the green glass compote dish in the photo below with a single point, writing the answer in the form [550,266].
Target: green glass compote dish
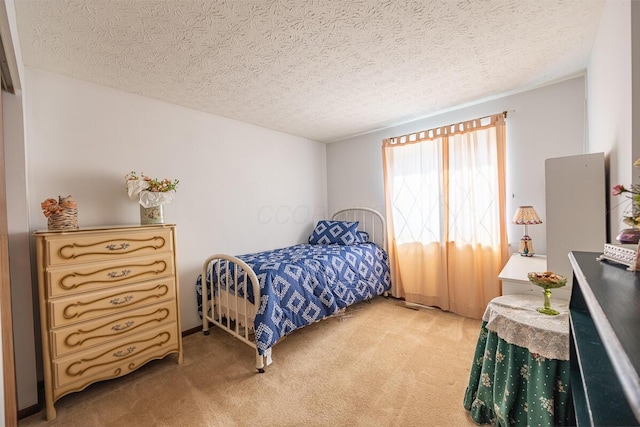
[547,281]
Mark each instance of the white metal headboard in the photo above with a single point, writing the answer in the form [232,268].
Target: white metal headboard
[370,221]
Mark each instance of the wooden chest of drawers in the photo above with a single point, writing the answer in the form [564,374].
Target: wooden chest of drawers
[108,304]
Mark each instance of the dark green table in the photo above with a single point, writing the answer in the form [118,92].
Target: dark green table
[520,371]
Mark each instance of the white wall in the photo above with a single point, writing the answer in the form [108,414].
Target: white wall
[242,188]
[541,123]
[609,102]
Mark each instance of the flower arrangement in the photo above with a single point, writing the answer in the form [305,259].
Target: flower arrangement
[150,191]
[633,218]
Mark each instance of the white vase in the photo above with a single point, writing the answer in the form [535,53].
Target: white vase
[153,215]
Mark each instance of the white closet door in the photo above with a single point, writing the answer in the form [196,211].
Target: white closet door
[575,208]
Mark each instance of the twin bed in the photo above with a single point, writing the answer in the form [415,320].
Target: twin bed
[260,298]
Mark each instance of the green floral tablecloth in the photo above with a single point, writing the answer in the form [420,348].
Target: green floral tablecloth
[509,385]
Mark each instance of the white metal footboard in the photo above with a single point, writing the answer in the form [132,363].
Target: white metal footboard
[226,309]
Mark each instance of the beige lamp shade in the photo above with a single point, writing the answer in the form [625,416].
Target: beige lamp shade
[526,215]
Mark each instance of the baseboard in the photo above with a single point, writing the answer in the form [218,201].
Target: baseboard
[191,331]
[27,412]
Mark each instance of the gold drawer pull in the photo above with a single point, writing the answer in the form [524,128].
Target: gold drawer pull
[115,274]
[113,247]
[119,327]
[118,301]
[121,353]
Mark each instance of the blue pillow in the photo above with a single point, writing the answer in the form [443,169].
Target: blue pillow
[334,232]
[362,237]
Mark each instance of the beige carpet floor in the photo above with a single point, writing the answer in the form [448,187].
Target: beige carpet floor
[378,364]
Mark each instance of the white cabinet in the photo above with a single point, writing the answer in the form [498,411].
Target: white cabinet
[514,277]
[575,208]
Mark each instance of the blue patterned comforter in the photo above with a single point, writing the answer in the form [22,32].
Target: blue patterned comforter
[305,283]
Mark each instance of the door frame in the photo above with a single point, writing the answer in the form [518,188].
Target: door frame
[8,361]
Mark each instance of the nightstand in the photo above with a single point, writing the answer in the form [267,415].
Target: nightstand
[515,281]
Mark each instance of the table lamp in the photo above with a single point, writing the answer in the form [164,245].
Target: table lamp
[526,215]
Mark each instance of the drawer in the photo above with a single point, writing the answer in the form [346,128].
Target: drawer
[114,371]
[116,357]
[71,248]
[96,332]
[88,277]
[74,309]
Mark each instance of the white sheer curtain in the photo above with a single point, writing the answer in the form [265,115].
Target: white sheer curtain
[445,202]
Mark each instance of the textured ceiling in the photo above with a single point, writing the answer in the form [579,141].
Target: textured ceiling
[321,69]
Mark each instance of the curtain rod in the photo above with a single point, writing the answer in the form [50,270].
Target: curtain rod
[395,138]
[504,114]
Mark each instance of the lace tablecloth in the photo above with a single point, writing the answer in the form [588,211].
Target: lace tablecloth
[515,319]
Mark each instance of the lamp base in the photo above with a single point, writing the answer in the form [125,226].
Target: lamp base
[526,246]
